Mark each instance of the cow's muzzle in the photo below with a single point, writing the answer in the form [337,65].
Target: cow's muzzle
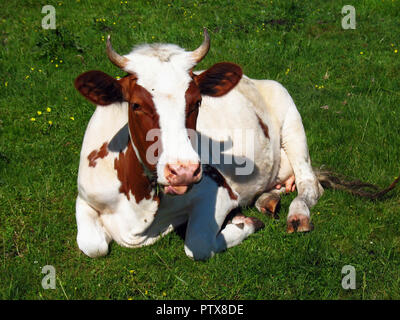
[181,176]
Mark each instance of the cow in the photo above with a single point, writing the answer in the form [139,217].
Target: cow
[127,196]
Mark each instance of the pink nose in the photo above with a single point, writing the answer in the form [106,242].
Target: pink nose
[183,174]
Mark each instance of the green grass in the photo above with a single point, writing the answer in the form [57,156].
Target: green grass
[299,43]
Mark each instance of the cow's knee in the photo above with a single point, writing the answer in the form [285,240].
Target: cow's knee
[94,246]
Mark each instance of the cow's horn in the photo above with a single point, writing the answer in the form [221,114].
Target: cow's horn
[114,57]
[201,51]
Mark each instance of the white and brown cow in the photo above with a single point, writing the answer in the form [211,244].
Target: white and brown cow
[123,196]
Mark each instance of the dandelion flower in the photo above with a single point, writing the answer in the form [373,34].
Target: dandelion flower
[33,119]
[48,109]
[395,50]
[361,52]
[50,122]
[72,118]
[39,113]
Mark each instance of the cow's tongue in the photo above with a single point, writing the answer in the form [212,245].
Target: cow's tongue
[175,189]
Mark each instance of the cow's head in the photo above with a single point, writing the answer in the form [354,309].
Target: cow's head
[162,93]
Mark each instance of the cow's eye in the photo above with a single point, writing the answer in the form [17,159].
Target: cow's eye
[135,106]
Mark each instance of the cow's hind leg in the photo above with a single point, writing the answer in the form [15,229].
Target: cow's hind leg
[294,143]
[204,236]
[92,238]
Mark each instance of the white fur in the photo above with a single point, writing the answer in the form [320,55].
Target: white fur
[103,213]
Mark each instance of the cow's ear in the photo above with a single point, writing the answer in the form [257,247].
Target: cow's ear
[99,88]
[219,79]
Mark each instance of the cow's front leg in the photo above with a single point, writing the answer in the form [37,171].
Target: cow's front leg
[204,236]
[92,238]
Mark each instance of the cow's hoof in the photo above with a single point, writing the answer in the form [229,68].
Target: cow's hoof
[269,204]
[241,221]
[299,223]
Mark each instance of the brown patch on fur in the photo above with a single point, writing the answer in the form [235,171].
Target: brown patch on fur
[263,126]
[214,174]
[193,100]
[131,174]
[97,154]
[143,117]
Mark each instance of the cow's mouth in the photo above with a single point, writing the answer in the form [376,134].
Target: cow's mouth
[175,190]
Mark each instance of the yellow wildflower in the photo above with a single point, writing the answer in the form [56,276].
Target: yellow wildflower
[72,118]
[39,113]
[33,119]
[48,109]
[50,122]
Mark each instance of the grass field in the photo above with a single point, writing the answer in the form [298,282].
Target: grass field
[344,82]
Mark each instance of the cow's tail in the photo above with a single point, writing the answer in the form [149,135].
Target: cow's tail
[331,180]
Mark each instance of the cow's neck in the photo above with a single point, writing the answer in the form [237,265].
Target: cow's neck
[133,177]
